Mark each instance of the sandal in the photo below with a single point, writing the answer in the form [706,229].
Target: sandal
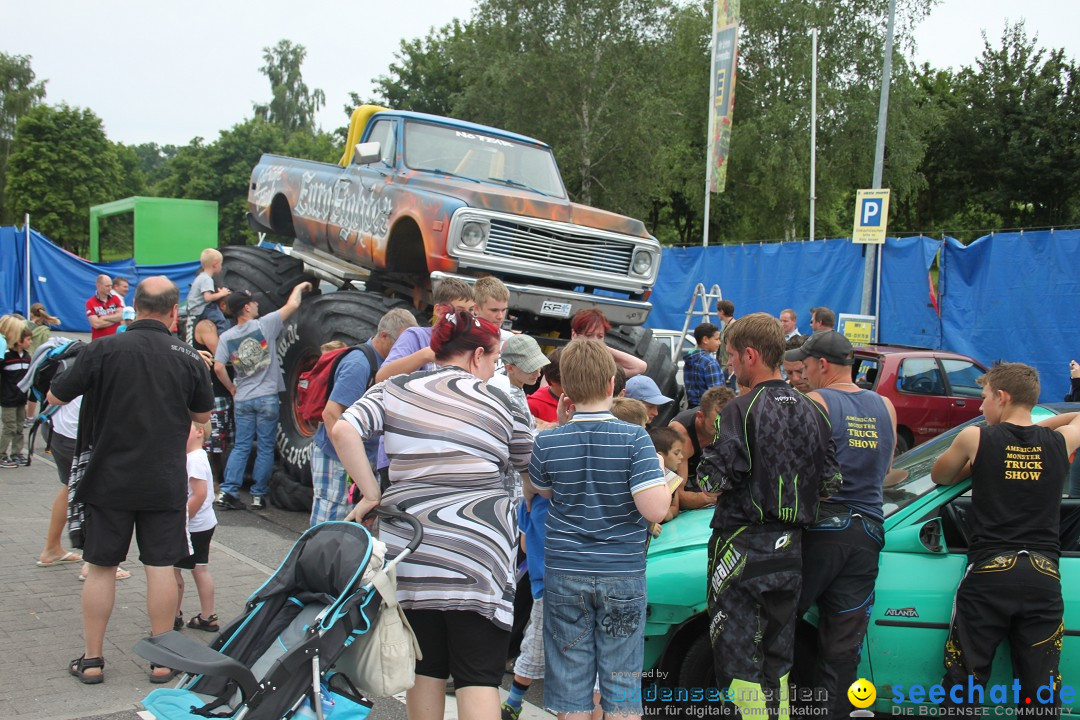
[178,621]
[159,679]
[80,665]
[209,624]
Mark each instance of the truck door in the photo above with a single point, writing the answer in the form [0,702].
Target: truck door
[361,205]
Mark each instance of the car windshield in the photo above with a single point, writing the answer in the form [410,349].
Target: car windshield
[486,158]
[909,478]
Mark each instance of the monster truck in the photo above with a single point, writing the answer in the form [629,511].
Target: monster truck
[416,198]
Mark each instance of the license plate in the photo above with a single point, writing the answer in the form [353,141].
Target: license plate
[555,309]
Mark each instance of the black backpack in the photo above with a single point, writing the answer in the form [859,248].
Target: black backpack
[56,362]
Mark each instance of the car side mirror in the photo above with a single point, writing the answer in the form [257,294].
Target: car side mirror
[924,538]
[366,153]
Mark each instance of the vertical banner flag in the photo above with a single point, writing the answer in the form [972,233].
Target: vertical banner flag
[725,58]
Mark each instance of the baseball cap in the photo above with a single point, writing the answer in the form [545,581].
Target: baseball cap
[827,344]
[524,352]
[236,301]
[645,389]
[128,313]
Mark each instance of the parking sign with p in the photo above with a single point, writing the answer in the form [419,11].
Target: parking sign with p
[871,216]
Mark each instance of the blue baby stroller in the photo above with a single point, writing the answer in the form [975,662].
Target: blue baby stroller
[275,660]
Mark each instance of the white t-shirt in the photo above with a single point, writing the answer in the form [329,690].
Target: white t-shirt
[198,466]
[65,421]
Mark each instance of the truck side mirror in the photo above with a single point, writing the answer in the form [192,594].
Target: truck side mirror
[366,153]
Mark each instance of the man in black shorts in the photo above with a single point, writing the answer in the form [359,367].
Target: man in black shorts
[141,390]
[1012,587]
[772,459]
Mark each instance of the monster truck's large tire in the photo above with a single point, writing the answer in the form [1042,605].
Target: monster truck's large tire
[346,315]
[639,342]
[268,274]
[288,493]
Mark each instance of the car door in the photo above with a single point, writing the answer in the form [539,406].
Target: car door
[963,390]
[362,198]
[905,639]
[926,409]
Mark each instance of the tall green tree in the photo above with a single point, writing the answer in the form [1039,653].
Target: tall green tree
[18,94]
[221,170]
[424,76]
[769,175]
[1004,151]
[579,74]
[62,164]
[292,106]
[619,88]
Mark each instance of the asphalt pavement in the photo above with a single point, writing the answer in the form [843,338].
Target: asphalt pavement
[40,615]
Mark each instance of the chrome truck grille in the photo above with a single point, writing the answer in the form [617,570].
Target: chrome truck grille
[564,249]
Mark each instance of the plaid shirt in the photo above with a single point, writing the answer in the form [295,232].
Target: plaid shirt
[701,371]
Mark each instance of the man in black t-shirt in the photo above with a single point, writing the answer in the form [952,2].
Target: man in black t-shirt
[141,391]
[1012,587]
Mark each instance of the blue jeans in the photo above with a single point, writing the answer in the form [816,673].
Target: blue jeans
[213,313]
[594,626]
[255,418]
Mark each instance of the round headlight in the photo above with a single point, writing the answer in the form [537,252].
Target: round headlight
[472,234]
[642,263]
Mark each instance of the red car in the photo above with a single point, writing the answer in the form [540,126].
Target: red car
[933,390]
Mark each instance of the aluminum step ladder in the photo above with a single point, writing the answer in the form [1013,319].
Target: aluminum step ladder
[708,301]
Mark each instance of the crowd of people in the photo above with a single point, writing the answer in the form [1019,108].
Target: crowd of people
[511,456]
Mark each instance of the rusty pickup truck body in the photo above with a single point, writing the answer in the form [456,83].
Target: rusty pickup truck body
[417,197]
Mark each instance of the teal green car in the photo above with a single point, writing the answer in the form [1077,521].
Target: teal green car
[926,539]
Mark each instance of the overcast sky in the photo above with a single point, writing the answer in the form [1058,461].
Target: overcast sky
[167,71]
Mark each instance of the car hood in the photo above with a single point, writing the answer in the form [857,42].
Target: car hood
[518,201]
[689,531]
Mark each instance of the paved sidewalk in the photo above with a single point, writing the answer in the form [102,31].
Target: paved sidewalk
[40,613]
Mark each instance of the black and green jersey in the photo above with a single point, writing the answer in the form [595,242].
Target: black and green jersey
[772,459]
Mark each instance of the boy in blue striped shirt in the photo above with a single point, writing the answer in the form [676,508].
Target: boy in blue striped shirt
[605,487]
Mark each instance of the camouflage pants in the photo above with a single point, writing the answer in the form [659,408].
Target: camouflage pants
[755,576]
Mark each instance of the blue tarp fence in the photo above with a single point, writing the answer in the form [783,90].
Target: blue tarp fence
[63,282]
[1007,296]
[1011,296]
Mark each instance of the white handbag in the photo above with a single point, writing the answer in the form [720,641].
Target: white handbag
[382,661]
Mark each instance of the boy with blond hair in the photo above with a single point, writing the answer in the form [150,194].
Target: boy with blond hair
[605,486]
[630,410]
[202,299]
[492,300]
[200,526]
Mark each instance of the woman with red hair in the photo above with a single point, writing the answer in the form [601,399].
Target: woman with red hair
[449,436]
[593,324]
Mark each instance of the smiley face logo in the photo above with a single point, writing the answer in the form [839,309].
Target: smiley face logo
[862,693]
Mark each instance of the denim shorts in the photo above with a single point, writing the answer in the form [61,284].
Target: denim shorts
[594,627]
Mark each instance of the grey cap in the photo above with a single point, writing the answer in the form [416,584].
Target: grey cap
[523,352]
[827,344]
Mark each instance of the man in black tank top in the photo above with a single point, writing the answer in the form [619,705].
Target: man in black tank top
[1012,587]
[841,549]
[697,428]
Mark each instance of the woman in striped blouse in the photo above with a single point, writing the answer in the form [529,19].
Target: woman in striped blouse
[449,436]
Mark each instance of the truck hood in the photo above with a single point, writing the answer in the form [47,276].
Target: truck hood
[517,201]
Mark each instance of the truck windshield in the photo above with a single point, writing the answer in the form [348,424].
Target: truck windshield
[482,157]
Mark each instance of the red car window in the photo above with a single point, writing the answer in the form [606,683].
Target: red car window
[920,376]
